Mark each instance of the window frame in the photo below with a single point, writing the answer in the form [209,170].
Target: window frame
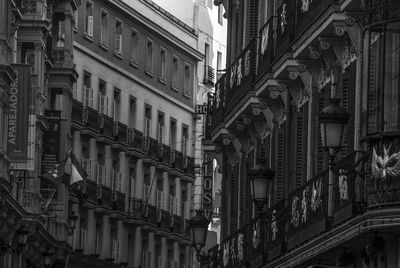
[104,40]
[149,69]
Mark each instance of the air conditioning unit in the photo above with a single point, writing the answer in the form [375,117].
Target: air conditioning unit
[89,26]
[118,43]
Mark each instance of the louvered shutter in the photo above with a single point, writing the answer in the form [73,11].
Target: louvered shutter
[233,198]
[319,153]
[279,157]
[253,31]
[300,145]
[247,189]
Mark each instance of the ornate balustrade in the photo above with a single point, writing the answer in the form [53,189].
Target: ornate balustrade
[164,153]
[380,10]
[308,210]
[266,49]
[106,126]
[348,176]
[275,230]
[285,27]
[77,112]
[153,148]
[136,207]
[120,132]
[135,139]
[241,75]
[90,118]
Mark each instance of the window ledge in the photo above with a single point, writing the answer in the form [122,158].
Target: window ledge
[162,80]
[149,73]
[103,46]
[134,63]
[88,37]
[118,55]
[174,88]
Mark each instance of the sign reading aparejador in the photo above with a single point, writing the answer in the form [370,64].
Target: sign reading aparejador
[18,115]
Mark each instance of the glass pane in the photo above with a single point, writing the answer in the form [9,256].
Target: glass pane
[374,79]
[391,90]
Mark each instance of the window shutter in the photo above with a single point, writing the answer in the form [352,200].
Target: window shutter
[300,127]
[247,188]
[319,164]
[279,162]
[253,18]
[233,198]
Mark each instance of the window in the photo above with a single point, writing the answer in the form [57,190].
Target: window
[76,15]
[174,80]
[147,121]
[132,112]
[117,105]
[186,81]
[219,60]
[149,56]
[163,56]
[118,37]
[206,54]
[220,14]
[134,47]
[161,128]
[185,135]
[87,91]
[172,134]
[383,112]
[103,99]
[104,29]
[89,19]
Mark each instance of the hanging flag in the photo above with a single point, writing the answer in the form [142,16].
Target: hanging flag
[73,168]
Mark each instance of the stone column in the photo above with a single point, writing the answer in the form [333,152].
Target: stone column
[176,253]
[164,251]
[93,158]
[91,232]
[108,163]
[139,179]
[106,243]
[178,194]
[166,190]
[152,249]
[189,201]
[187,256]
[137,251]
[153,186]
[123,242]
[77,230]
[77,150]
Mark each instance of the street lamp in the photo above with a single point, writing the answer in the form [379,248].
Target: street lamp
[333,120]
[261,177]
[198,226]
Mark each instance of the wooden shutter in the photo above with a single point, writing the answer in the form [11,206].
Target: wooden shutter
[300,144]
[246,201]
[279,157]
[319,153]
[253,31]
[233,198]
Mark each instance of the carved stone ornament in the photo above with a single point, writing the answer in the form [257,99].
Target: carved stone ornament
[314,53]
[276,91]
[386,164]
[283,19]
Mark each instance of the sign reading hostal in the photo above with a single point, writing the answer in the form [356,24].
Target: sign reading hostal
[18,117]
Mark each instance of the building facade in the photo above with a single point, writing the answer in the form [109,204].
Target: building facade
[286,60]
[107,83]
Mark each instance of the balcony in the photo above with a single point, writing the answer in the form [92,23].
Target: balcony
[164,153]
[188,165]
[150,147]
[308,11]
[177,160]
[77,112]
[216,106]
[106,126]
[136,207]
[152,214]
[285,27]
[90,119]
[241,75]
[308,210]
[135,139]
[209,75]
[266,50]
[120,132]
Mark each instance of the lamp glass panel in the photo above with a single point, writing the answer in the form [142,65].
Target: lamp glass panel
[334,134]
[199,234]
[260,188]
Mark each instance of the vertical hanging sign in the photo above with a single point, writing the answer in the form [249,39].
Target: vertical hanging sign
[18,118]
[207,186]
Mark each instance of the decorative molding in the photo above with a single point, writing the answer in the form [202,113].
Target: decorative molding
[314,53]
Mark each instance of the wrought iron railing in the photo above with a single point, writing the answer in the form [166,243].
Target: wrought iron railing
[90,118]
[266,47]
[120,132]
[106,126]
[77,112]
[164,153]
[135,139]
